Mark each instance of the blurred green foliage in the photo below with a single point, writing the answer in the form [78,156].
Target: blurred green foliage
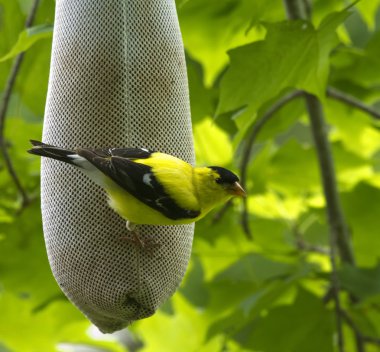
[238,295]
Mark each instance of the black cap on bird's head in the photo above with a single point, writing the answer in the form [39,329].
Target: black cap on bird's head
[229,180]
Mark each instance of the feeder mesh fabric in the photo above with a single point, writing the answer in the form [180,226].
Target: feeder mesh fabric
[118,78]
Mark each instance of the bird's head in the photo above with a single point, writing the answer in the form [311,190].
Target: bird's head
[227,180]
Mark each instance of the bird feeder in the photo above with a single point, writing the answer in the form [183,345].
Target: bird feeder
[118,78]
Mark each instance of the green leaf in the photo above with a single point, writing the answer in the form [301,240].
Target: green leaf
[294,169]
[368,10]
[24,268]
[187,319]
[180,3]
[241,294]
[272,234]
[353,128]
[19,132]
[259,301]
[253,268]
[28,38]
[212,27]
[44,330]
[363,283]
[243,278]
[11,23]
[293,54]
[359,66]
[201,98]
[364,222]
[194,287]
[212,144]
[306,325]
[35,68]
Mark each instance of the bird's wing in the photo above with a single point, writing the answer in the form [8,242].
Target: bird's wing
[136,178]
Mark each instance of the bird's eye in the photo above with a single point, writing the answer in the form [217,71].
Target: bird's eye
[218,180]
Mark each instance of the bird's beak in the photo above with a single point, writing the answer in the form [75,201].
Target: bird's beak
[237,190]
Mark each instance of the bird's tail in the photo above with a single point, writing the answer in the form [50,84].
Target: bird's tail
[50,151]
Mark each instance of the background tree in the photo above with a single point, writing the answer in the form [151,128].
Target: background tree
[287,93]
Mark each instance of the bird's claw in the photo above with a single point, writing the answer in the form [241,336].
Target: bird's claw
[145,244]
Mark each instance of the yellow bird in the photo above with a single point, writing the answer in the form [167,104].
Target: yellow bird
[148,187]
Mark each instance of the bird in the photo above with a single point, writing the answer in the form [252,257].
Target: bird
[147,187]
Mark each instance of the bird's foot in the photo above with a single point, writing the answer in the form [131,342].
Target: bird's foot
[145,244]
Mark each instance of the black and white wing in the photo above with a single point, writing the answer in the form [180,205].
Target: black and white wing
[136,178]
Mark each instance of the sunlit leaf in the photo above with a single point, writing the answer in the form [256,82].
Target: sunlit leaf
[212,27]
[293,54]
[27,38]
[368,10]
[360,66]
[186,318]
[23,259]
[212,144]
[45,330]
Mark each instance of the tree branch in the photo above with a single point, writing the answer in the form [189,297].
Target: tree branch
[252,136]
[4,104]
[338,229]
[339,236]
[338,226]
[351,100]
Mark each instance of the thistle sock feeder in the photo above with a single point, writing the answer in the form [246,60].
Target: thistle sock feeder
[118,78]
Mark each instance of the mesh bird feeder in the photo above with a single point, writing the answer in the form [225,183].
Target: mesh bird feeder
[118,78]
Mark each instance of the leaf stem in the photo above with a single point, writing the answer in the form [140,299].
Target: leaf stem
[4,104]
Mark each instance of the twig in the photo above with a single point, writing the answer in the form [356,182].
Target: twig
[307,247]
[359,338]
[303,245]
[3,111]
[356,330]
[328,296]
[219,215]
[371,339]
[351,100]
[256,128]
[244,221]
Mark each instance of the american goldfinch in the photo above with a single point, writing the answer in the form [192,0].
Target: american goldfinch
[148,187]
